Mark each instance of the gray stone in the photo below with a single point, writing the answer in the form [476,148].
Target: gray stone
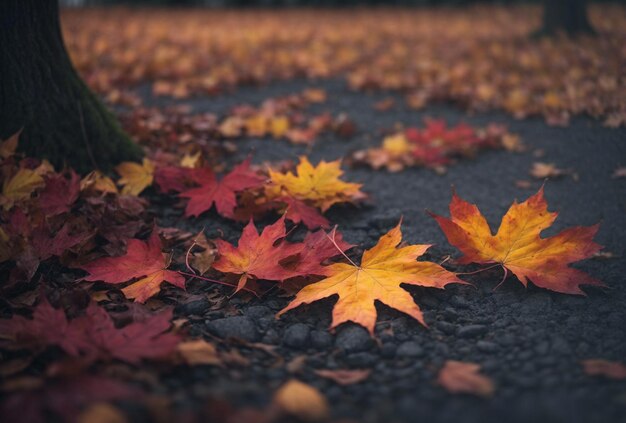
[197,308]
[487,347]
[445,327]
[321,339]
[353,338]
[361,359]
[471,331]
[240,327]
[297,335]
[410,349]
[459,302]
[257,311]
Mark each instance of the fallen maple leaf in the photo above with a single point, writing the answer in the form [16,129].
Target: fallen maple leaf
[518,247]
[135,177]
[98,182]
[320,185]
[199,352]
[63,399]
[143,259]
[464,378]
[221,193]
[299,212]
[344,377]
[20,187]
[302,401]
[257,255]
[606,368]
[59,193]
[93,334]
[383,268]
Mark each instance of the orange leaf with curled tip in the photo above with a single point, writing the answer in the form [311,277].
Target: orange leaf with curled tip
[517,245]
[383,268]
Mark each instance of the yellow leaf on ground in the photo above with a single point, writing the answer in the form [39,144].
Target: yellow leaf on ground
[96,181]
[135,177]
[20,187]
[320,184]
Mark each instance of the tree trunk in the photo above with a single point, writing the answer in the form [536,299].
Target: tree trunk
[569,16]
[41,92]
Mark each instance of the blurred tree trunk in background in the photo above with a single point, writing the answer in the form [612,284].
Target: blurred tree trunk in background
[569,16]
[41,92]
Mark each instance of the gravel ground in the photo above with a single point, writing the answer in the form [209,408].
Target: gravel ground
[530,341]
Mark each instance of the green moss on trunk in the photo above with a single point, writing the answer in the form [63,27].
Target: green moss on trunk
[567,16]
[41,92]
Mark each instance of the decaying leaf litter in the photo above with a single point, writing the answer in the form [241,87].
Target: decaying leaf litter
[466,324]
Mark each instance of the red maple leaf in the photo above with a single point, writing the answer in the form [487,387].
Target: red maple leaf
[299,212]
[63,398]
[59,193]
[47,244]
[143,259]
[92,335]
[257,256]
[315,249]
[222,193]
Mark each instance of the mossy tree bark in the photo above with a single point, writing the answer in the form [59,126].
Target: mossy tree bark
[41,92]
[568,16]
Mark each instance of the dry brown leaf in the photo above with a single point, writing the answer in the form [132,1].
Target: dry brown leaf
[464,378]
[101,413]
[606,368]
[541,170]
[302,401]
[345,377]
[199,352]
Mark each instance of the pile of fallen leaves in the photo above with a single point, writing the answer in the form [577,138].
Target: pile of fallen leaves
[75,251]
[177,129]
[481,58]
[435,146]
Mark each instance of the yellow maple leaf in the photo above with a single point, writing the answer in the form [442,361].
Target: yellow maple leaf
[192,161]
[518,246]
[135,177]
[279,126]
[257,126]
[397,145]
[96,181]
[320,185]
[383,268]
[20,187]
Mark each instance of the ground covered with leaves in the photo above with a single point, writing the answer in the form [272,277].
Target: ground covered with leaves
[149,295]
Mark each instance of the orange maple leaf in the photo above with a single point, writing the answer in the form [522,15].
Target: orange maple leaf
[518,247]
[382,270]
